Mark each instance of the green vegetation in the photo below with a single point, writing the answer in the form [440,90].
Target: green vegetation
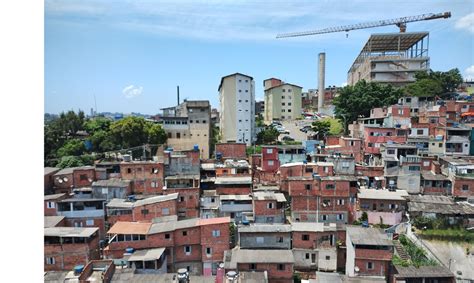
[259,121]
[359,99]
[434,83]
[321,128]
[254,150]
[269,135]
[362,218]
[417,255]
[215,138]
[71,139]
[452,235]
[328,126]
[396,260]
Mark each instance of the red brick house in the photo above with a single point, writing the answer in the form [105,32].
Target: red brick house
[196,244]
[269,207]
[50,203]
[147,177]
[143,210]
[68,178]
[240,185]
[66,247]
[48,179]
[270,161]
[188,189]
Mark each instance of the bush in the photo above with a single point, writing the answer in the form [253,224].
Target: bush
[449,235]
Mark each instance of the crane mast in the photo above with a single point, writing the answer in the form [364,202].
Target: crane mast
[399,22]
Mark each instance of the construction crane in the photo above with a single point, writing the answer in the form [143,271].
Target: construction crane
[399,22]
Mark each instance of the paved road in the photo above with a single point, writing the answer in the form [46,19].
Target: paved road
[295,130]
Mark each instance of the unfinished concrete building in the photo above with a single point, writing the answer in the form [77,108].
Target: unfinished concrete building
[391,58]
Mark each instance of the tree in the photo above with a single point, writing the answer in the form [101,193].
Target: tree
[70,161]
[359,99]
[97,124]
[321,128]
[136,131]
[71,147]
[156,134]
[268,135]
[434,83]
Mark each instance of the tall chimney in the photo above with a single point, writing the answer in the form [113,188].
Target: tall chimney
[177,90]
[322,73]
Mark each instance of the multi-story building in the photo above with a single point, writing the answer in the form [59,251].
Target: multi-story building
[382,206]
[195,244]
[66,247]
[237,108]
[187,125]
[282,101]
[111,188]
[369,252]
[314,245]
[51,202]
[68,178]
[391,58]
[269,207]
[48,179]
[231,151]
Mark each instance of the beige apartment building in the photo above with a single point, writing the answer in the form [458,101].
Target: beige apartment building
[188,125]
[237,109]
[282,100]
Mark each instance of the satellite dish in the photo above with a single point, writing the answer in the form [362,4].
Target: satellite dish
[90,180]
[60,181]
[356,269]
[164,188]
[155,171]
[65,179]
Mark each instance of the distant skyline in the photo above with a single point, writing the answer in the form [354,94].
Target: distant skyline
[132,54]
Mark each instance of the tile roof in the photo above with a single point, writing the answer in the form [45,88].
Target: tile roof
[122,227]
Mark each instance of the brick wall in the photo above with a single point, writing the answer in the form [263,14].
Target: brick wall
[187,202]
[458,185]
[146,177]
[84,177]
[67,256]
[271,268]
[233,190]
[232,150]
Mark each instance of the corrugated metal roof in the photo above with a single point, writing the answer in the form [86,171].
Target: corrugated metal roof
[235,197]
[279,197]
[368,236]
[111,183]
[262,256]
[313,227]
[122,203]
[265,228]
[146,255]
[233,180]
[422,272]
[382,194]
[51,197]
[52,221]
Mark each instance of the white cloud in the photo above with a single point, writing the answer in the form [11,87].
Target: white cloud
[466,22]
[132,91]
[469,73]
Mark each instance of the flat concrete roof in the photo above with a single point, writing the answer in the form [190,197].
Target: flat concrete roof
[264,228]
[313,227]
[122,203]
[233,180]
[75,232]
[146,255]
[279,197]
[262,256]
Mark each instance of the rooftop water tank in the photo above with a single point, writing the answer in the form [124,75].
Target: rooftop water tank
[78,269]
[129,250]
[196,147]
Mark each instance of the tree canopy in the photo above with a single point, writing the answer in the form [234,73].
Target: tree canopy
[359,99]
[434,83]
[63,143]
[268,135]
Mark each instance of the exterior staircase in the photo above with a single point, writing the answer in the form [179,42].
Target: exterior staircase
[400,251]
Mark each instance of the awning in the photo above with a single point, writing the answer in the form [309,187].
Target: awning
[146,255]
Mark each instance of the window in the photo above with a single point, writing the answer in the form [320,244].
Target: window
[340,202]
[283,90]
[281,266]
[328,257]
[240,90]
[340,217]
[391,151]
[289,103]
[185,233]
[326,202]
[440,144]
[282,110]
[216,233]
[181,199]
[178,135]
[154,184]
[413,168]
[270,162]
[167,236]
[270,205]
[259,240]
[307,256]
[324,217]
[213,200]
[370,265]
[240,100]
[252,266]
[305,237]
[165,211]
[246,90]
[465,187]
[269,150]
[209,251]
[426,163]
[50,260]
[145,211]
[330,186]
[345,164]
[83,177]
[308,170]
[280,240]
[419,132]
[307,186]
[289,110]
[282,97]
[50,204]
[283,104]
[90,222]
[187,250]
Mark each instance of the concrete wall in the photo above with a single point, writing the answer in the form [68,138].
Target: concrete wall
[266,241]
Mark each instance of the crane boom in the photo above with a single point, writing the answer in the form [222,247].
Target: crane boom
[399,22]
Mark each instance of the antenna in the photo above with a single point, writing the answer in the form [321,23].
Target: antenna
[177,91]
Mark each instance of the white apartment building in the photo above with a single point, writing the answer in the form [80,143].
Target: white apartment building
[237,108]
[282,101]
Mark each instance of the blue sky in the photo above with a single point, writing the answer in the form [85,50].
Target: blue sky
[132,54]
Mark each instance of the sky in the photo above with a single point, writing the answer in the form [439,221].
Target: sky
[129,56]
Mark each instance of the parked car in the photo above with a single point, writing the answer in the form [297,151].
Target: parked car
[287,138]
[305,129]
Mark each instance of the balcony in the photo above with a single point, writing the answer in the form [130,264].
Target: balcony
[82,213]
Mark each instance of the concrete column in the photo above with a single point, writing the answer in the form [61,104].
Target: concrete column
[322,74]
